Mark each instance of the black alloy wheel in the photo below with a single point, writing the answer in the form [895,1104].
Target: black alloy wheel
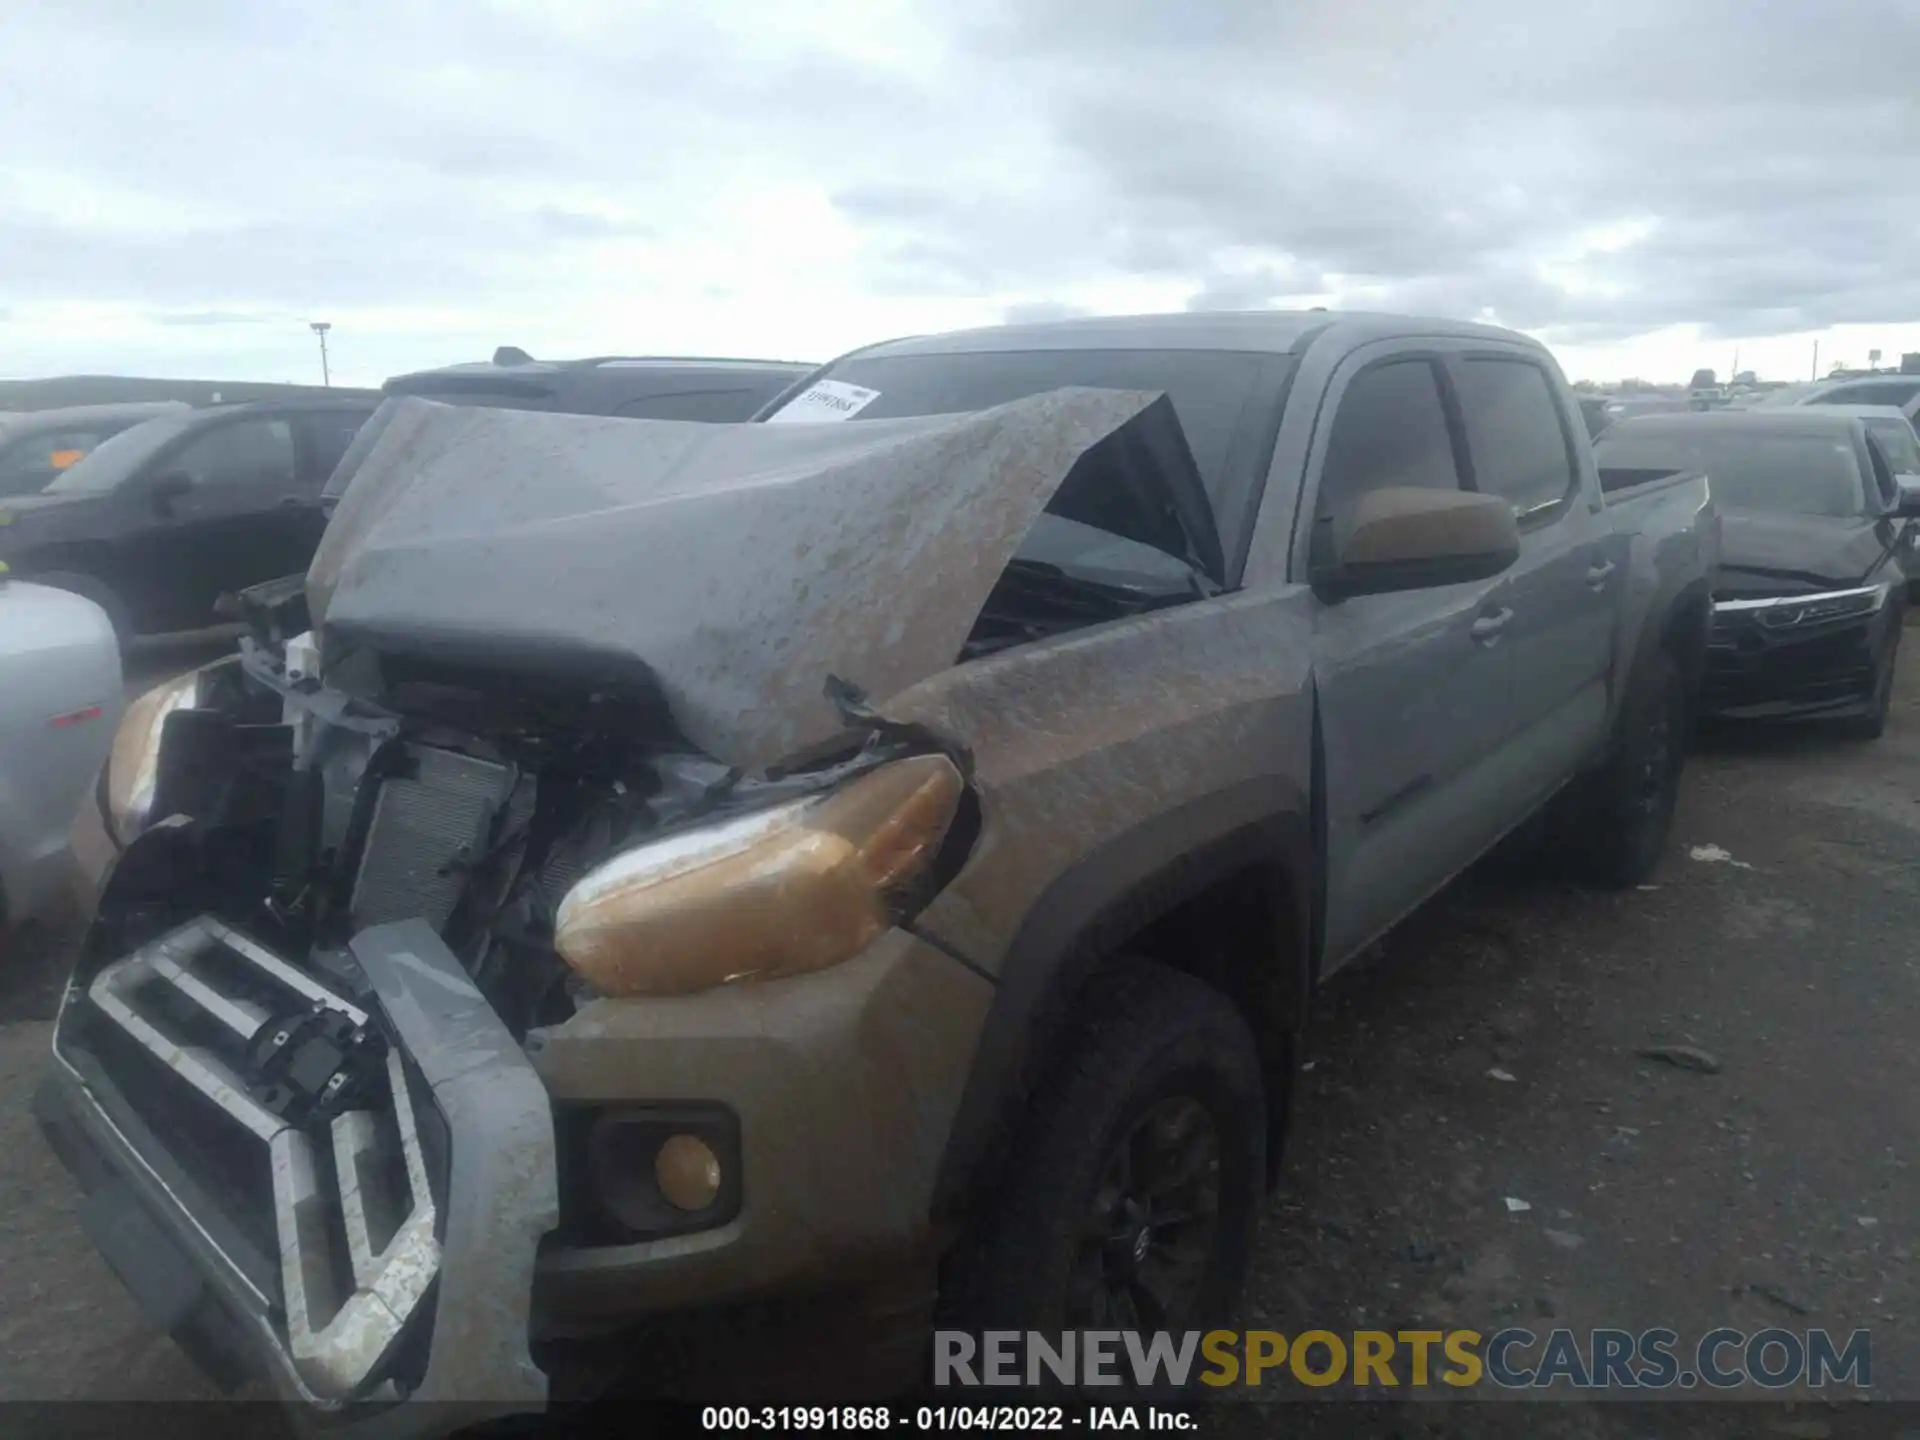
[1151,1224]
[1129,1197]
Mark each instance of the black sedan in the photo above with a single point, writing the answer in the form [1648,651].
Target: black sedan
[161,520]
[1810,595]
[38,446]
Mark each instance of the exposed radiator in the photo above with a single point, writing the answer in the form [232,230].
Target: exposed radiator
[427,827]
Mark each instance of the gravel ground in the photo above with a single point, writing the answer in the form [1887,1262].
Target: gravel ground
[1782,937]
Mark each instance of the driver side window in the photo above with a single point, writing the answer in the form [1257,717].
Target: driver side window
[1888,492]
[1391,430]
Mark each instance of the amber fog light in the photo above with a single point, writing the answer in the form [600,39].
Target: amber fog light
[655,1171]
[688,1172]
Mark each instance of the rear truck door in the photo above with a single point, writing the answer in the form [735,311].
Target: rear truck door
[1524,445]
[228,523]
[1413,688]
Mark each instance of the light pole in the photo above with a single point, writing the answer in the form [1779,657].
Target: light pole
[320,328]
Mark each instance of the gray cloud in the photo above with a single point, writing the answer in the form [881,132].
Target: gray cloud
[214,160]
[1406,154]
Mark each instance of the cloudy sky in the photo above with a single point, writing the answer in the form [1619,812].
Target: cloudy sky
[1647,185]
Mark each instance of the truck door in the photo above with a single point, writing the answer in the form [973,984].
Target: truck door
[1413,688]
[1565,588]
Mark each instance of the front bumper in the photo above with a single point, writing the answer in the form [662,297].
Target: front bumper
[1765,663]
[398,1263]
[844,1084]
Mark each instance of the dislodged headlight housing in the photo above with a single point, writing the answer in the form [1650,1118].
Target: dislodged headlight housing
[779,892]
[134,762]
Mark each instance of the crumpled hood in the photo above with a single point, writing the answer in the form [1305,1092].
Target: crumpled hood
[729,568]
[1788,554]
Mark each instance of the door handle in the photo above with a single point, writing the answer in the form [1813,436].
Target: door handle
[1486,630]
[1598,575]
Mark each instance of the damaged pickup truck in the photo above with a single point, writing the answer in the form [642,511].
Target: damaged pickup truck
[835,875]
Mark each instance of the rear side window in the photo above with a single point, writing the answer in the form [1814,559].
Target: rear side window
[1515,435]
[1390,430]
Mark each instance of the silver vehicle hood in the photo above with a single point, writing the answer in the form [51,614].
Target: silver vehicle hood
[730,568]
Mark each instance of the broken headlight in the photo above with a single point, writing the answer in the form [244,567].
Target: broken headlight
[780,892]
[134,762]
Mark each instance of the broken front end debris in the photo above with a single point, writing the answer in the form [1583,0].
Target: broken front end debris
[428,923]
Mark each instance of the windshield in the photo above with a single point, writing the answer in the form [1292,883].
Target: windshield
[114,460]
[1770,473]
[1209,390]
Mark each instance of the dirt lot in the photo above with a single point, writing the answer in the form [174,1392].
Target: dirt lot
[1781,1190]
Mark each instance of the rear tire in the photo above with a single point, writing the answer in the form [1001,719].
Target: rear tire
[1618,834]
[96,590]
[1132,1193]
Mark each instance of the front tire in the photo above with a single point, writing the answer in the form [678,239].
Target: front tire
[1132,1193]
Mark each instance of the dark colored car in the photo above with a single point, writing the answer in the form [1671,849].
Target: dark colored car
[644,387]
[1810,594]
[160,521]
[38,446]
[708,391]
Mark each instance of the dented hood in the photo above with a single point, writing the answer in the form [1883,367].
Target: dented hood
[1765,554]
[728,569]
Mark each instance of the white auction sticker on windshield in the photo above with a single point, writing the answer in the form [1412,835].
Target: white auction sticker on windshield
[824,400]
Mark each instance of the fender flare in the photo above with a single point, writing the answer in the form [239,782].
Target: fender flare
[1124,884]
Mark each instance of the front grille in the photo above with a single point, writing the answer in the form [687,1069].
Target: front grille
[347,1186]
[1751,663]
[429,823]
